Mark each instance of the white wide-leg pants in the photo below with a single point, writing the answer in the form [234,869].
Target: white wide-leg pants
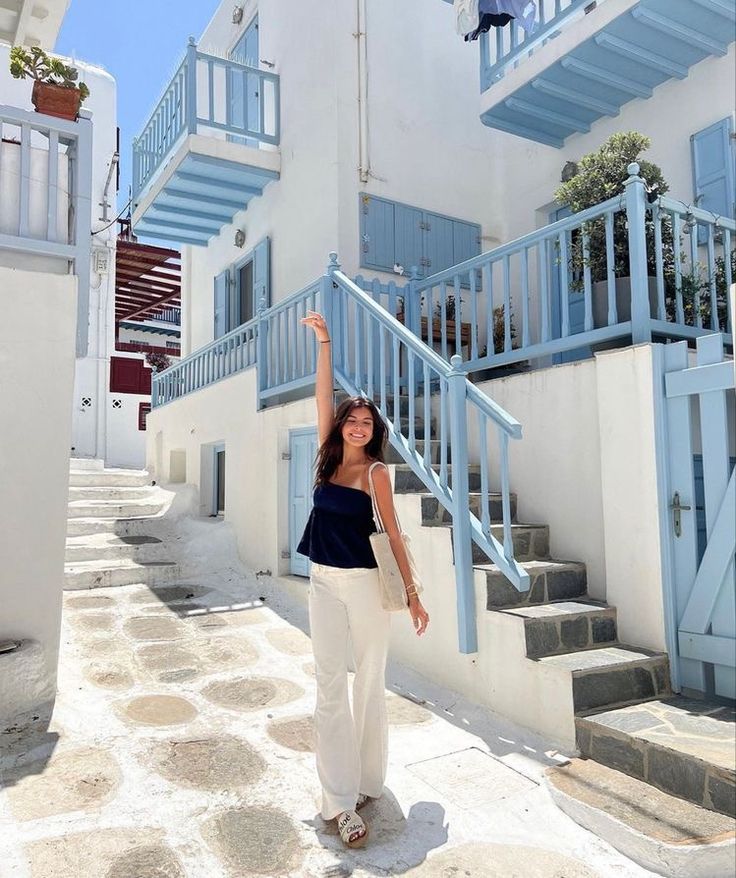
[352,749]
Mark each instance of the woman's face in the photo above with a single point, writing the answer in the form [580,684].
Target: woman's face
[358,428]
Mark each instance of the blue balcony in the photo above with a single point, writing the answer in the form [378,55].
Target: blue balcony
[587,60]
[210,146]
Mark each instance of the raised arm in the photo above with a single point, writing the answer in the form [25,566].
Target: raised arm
[323,391]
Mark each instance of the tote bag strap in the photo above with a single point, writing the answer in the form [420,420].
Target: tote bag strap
[376,513]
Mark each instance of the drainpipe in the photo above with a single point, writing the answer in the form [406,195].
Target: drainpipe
[364,163]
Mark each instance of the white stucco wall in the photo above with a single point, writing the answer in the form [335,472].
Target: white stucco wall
[256,477]
[36,399]
[91,378]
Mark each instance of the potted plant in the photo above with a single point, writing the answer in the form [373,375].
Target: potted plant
[56,91]
[602,175]
[499,343]
[158,362]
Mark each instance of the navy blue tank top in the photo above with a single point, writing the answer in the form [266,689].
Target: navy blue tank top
[338,528]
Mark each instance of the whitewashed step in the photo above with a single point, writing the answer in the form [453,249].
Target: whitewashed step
[662,833]
[111,546]
[114,508]
[96,574]
[147,524]
[86,464]
[112,478]
[110,492]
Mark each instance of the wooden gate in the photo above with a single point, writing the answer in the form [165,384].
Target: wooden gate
[700,584]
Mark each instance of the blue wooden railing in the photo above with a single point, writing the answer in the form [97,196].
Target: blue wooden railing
[48,211]
[504,47]
[287,354]
[521,292]
[221,358]
[199,98]
[369,346]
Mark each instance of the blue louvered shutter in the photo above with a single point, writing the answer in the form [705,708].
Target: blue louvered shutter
[222,287]
[262,274]
[713,170]
[408,231]
[439,250]
[466,241]
[243,88]
[377,233]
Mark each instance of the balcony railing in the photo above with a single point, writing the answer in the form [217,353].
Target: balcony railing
[504,47]
[45,204]
[212,95]
[140,347]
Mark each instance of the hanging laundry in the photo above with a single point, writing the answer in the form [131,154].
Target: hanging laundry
[524,11]
[486,22]
[466,15]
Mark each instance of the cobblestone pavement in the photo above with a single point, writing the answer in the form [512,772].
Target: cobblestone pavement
[181,747]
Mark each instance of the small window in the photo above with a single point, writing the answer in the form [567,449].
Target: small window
[143,409]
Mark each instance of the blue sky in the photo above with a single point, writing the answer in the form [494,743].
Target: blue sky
[138,42]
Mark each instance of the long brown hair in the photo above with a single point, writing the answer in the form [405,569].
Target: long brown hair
[329,456]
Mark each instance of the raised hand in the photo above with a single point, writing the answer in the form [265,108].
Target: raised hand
[317,323]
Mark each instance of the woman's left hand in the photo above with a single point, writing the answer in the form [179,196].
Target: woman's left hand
[419,616]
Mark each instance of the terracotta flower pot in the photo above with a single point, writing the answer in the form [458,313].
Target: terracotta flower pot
[55,100]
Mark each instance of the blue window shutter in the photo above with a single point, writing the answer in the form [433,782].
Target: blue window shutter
[262,273]
[222,305]
[713,170]
[245,51]
[377,234]
[408,233]
[466,241]
[439,249]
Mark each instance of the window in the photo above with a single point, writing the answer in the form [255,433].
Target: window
[129,375]
[240,288]
[143,409]
[397,234]
[713,175]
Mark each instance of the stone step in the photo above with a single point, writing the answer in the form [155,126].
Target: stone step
[393,456]
[86,464]
[112,478]
[551,580]
[686,748]
[531,542]
[434,513]
[563,626]
[105,492]
[663,834]
[609,676]
[114,508]
[110,546]
[103,574]
[113,527]
[407,482]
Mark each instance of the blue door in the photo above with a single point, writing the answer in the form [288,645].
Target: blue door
[576,304]
[303,445]
[245,109]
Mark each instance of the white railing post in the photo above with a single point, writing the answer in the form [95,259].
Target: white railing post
[461,532]
[636,213]
[82,232]
[191,86]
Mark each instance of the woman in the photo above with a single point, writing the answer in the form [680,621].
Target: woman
[345,599]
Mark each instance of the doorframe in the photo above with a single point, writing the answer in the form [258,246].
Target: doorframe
[296,431]
[220,446]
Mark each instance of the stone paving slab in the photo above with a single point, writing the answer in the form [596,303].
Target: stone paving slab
[209,772]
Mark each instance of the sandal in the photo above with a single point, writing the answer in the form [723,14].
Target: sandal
[352,829]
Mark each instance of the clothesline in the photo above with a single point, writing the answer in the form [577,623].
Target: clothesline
[474,17]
